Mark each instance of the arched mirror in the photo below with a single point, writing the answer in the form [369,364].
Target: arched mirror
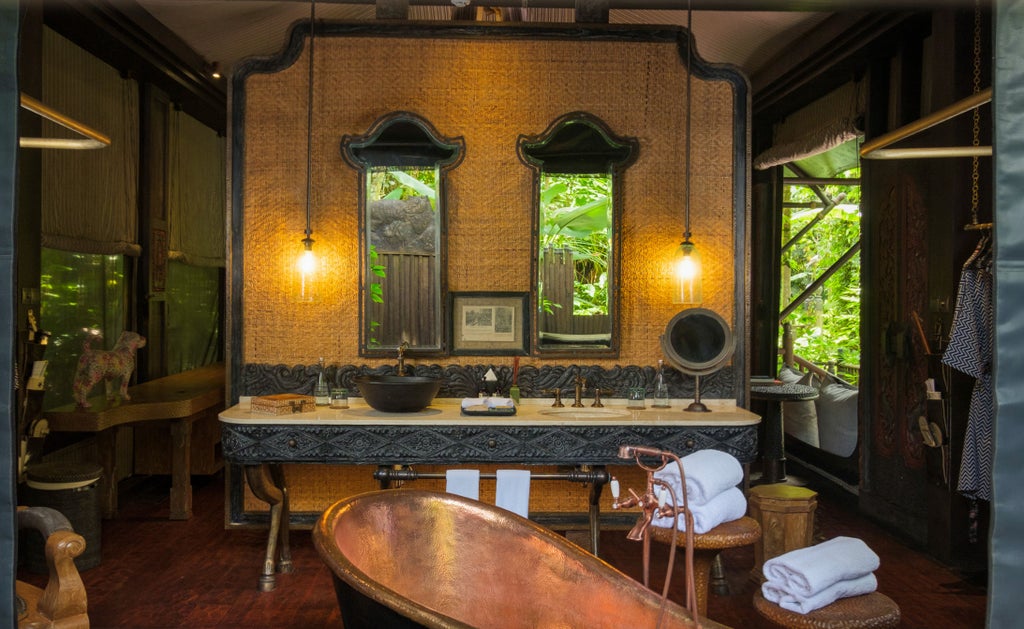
[578,164]
[403,163]
[698,341]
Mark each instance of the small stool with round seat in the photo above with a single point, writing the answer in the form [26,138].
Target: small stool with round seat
[706,546]
[868,611]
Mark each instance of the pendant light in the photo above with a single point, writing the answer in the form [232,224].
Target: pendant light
[307,265]
[686,265]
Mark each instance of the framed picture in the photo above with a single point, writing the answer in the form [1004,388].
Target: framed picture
[489,324]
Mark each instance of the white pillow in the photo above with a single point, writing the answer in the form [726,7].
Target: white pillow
[837,418]
[800,419]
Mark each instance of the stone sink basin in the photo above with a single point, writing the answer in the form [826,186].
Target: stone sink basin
[398,394]
[586,413]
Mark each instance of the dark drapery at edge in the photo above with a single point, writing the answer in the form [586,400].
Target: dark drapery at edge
[8,155]
[1006,557]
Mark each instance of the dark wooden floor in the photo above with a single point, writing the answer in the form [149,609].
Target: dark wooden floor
[159,573]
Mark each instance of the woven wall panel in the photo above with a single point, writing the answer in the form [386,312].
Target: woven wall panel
[489,91]
[322,485]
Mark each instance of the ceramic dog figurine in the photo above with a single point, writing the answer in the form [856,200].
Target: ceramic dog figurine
[97,364]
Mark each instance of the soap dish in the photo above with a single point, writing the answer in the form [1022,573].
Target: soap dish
[493,411]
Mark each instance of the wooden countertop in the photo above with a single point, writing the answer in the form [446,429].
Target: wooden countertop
[171,397]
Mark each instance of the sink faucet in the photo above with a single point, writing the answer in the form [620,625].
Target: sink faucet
[580,383]
[401,357]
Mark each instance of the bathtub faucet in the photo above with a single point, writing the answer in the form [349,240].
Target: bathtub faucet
[401,357]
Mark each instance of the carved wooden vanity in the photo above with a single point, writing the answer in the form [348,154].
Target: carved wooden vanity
[586,438]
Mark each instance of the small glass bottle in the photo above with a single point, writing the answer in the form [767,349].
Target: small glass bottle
[661,399]
[322,391]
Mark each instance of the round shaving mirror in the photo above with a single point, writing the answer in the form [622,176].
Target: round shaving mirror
[697,341]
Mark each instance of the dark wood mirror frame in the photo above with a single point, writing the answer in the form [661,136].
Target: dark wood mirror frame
[403,140]
[578,143]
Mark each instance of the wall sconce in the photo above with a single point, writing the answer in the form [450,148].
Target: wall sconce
[307,265]
[686,266]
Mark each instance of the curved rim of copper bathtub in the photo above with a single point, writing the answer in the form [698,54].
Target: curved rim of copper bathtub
[344,569]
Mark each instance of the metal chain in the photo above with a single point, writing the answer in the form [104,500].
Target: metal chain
[976,129]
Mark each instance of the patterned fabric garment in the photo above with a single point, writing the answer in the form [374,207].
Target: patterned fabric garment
[970,351]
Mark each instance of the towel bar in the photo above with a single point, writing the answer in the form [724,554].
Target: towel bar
[596,476]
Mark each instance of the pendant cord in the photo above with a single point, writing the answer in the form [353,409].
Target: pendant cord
[689,114]
[309,122]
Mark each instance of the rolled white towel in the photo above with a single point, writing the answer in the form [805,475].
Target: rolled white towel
[864,584]
[486,402]
[807,571]
[708,473]
[727,506]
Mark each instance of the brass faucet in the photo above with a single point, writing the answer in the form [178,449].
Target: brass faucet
[401,357]
[558,397]
[580,384]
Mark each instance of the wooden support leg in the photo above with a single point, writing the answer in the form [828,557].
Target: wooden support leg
[268,491]
[106,444]
[181,469]
[595,517]
[284,562]
[702,560]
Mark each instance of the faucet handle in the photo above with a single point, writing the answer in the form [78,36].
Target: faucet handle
[597,396]
[558,397]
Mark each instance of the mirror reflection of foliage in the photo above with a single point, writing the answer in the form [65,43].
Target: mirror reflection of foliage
[83,295]
[826,328]
[376,292]
[389,183]
[576,214]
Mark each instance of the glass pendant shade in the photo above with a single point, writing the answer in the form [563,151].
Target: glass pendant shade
[307,268]
[687,287]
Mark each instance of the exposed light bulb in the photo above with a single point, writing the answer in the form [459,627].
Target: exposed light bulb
[307,268]
[687,269]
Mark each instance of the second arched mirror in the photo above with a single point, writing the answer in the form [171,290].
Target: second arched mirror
[403,162]
[578,164]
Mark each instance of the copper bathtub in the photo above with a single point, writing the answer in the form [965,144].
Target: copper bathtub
[411,558]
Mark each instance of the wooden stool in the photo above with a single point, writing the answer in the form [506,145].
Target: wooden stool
[869,611]
[706,547]
[786,516]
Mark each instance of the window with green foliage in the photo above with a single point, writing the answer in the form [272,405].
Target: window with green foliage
[576,221]
[83,298]
[821,271]
[193,316]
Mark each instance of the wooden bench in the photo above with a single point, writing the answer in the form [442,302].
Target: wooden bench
[180,400]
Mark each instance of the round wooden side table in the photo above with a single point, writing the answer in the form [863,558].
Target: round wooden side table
[868,611]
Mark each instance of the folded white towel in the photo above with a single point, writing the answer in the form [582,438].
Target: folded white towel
[727,506]
[807,571]
[708,473]
[857,586]
[512,491]
[463,483]
[489,402]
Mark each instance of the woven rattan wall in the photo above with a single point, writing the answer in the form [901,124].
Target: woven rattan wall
[488,90]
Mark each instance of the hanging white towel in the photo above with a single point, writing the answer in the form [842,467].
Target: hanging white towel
[708,473]
[513,491]
[464,483]
[865,584]
[807,571]
[725,507]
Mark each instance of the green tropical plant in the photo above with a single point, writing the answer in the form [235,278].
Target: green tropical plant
[826,327]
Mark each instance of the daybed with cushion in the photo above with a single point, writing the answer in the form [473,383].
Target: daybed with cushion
[823,433]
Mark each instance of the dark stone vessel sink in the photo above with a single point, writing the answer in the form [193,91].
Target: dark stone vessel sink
[398,394]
